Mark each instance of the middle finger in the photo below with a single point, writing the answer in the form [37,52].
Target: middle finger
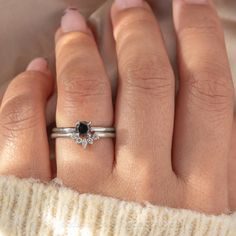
[145,103]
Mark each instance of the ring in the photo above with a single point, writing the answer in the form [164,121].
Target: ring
[83,133]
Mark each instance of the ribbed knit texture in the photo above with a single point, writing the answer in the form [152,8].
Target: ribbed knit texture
[29,207]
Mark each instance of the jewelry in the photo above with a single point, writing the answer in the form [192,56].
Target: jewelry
[83,133]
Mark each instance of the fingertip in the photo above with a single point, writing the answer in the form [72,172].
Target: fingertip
[122,5]
[73,21]
[193,1]
[39,64]
[189,12]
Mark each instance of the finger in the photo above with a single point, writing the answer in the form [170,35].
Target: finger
[84,93]
[145,102]
[24,147]
[232,170]
[204,111]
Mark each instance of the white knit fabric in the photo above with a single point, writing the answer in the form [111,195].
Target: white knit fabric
[29,207]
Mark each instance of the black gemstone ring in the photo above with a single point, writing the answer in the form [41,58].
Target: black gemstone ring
[83,133]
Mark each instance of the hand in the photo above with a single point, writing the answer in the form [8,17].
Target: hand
[167,152]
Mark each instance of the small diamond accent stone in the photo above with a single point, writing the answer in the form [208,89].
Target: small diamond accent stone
[78,140]
[83,134]
[90,140]
[95,137]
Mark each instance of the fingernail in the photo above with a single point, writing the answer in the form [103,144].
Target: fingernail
[123,4]
[38,64]
[196,1]
[73,21]
[71,9]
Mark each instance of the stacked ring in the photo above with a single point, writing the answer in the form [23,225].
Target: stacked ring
[83,133]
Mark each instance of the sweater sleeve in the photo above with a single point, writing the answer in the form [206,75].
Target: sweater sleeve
[30,207]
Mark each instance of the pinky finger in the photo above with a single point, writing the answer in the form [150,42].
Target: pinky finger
[24,148]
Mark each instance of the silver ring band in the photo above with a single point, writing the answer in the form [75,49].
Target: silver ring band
[69,135]
[83,133]
[93,129]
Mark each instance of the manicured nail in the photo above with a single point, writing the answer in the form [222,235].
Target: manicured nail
[71,9]
[73,21]
[123,4]
[38,64]
[196,1]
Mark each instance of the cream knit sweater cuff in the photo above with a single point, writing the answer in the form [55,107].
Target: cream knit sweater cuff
[30,207]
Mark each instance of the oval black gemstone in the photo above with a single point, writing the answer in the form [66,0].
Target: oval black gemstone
[82,128]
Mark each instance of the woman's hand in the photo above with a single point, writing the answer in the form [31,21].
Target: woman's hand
[167,152]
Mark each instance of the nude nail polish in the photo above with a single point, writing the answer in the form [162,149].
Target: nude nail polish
[70,9]
[123,4]
[196,1]
[73,21]
[38,64]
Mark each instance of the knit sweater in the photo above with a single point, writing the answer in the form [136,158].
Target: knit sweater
[30,207]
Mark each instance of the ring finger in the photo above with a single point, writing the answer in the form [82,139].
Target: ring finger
[84,94]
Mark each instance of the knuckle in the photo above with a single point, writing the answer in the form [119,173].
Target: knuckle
[80,87]
[143,76]
[19,113]
[210,92]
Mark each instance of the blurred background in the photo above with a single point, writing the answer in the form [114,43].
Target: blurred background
[28,27]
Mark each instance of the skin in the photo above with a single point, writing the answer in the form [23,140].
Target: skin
[163,145]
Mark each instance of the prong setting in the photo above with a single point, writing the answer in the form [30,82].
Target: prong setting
[83,134]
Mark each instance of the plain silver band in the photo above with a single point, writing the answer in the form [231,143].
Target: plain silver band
[93,129]
[68,135]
